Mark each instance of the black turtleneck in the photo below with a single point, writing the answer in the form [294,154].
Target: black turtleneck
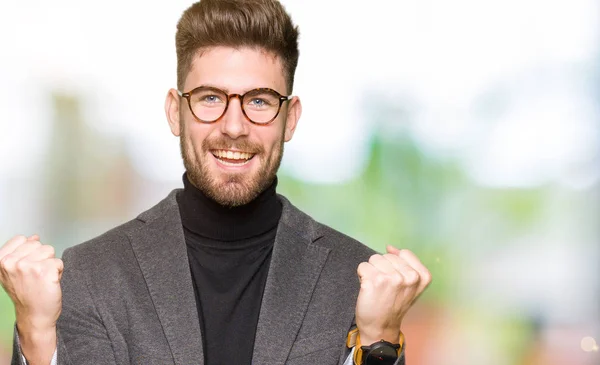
[229,251]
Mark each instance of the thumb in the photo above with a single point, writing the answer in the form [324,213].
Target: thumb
[393,250]
[60,266]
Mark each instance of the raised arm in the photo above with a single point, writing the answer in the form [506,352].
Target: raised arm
[389,286]
[30,274]
[55,311]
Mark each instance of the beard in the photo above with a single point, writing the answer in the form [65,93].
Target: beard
[235,189]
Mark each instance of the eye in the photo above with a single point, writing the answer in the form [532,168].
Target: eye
[210,99]
[259,102]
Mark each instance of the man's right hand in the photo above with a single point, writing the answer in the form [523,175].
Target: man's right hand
[30,274]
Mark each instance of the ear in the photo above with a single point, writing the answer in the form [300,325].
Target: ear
[172,112]
[293,116]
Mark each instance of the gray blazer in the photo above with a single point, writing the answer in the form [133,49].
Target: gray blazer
[128,296]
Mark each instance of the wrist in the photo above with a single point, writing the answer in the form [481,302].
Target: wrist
[37,345]
[33,338]
[34,321]
[34,326]
[36,334]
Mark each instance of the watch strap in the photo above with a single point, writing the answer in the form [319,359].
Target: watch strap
[353,340]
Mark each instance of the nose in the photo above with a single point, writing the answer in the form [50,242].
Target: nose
[234,123]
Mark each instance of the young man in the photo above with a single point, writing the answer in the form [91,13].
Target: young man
[224,271]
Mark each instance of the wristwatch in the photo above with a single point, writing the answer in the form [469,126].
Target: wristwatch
[379,353]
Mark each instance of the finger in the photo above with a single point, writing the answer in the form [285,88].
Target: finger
[410,275]
[382,264]
[11,245]
[24,249]
[416,264]
[43,252]
[412,260]
[398,262]
[424,274]
[393,250]
[366,270]
[60,265]
[53,269]
[35,237]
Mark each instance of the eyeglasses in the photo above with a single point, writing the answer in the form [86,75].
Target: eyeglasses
[209,104]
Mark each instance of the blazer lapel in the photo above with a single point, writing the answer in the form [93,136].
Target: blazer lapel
[295,267]
[159,246]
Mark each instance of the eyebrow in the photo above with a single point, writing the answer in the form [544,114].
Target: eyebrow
[214,87]
[226,90]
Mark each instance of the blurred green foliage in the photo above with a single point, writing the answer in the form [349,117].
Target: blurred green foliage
[409,199]
[7,319]
[397,200]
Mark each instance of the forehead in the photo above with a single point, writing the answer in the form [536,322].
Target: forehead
[236,70]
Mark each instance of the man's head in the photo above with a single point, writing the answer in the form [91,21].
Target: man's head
[236,47]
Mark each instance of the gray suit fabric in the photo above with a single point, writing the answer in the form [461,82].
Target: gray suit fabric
[128,296]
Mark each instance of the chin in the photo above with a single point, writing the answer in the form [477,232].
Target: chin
[233,194]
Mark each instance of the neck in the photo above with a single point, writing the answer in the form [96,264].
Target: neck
[207,218]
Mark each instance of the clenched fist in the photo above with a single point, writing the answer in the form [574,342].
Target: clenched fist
[31,274]
[389,285]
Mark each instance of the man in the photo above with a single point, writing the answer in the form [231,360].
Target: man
[224,271]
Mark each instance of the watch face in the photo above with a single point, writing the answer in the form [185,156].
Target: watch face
[382,355]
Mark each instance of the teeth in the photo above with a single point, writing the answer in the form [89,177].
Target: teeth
[233,163]
[230,155]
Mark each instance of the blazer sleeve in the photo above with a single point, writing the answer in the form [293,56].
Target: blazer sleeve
[82,336]
[17,355]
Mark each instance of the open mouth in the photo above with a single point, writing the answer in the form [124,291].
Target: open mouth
[232,158]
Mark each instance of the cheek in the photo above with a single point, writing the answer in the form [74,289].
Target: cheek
[195,134]
[273,140]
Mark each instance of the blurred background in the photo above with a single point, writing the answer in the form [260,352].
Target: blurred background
[467,131]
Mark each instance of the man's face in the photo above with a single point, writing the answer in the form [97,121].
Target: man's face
[232,160]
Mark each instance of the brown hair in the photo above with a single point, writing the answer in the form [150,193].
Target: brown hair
[260,24]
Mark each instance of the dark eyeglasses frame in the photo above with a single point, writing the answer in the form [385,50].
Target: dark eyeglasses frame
[187,95]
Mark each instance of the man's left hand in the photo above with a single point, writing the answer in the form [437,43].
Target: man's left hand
[389,285]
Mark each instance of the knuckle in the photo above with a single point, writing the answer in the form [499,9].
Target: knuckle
[427,277]
[8,262]
[49,250]
[411,277]
[374,257]
[34,269]
[405,253]
[21,266]
[4,262]
[380,280]
[390,257]
[366,284]
[396,279]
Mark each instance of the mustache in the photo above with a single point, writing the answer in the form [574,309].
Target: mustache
[231,144]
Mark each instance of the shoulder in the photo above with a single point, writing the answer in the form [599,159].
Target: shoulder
[113,245]
[343,248]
